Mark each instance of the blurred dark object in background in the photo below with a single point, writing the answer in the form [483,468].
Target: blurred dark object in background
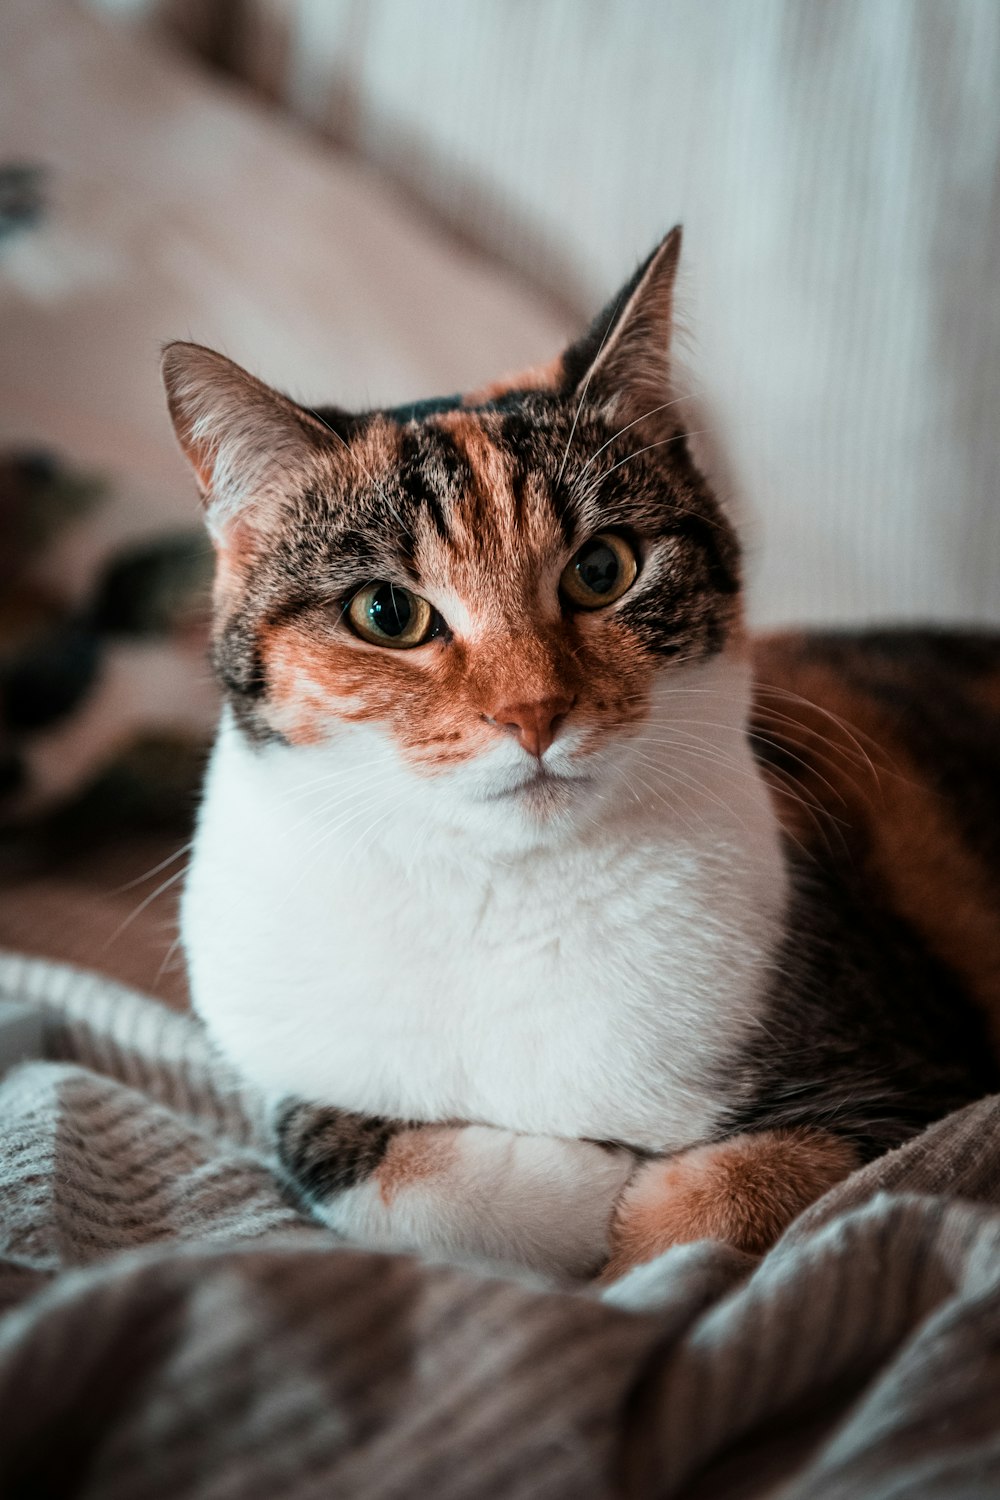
[60,782]
[21,197]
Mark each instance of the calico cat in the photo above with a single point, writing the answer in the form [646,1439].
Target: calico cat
[561,920]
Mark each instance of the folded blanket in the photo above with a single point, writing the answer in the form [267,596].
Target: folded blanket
[172,1325]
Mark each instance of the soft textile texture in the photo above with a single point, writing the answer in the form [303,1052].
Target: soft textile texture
[186,1333]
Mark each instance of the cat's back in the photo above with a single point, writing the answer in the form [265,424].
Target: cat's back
[882,748]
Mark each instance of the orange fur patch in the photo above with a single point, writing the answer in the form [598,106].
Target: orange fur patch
[744,1191]
[415,1156]
[436,702]
[536,378]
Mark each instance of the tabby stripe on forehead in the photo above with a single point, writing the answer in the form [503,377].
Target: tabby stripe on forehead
[565,511]
[444,455]
[528,449]
[415,481]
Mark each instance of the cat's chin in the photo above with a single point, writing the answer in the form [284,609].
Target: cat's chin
[513,808]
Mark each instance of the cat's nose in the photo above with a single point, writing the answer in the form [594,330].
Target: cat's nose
[535,724]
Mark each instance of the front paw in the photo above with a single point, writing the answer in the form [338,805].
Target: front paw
[326,1150]
[467,1193]
[744,1191]
[476,1194]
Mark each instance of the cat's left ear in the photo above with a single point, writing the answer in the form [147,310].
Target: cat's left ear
[623,360]
[251,448]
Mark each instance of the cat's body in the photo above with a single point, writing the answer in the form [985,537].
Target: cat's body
[500,829]
[881,749]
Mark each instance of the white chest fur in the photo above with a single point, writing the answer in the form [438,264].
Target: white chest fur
[592,986]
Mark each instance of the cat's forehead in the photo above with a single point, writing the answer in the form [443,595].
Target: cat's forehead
[462,493]
[496,532]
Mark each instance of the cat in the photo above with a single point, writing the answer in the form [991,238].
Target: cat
[559,919]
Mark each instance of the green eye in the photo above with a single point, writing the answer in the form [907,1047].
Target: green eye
[600,572]
[387,615]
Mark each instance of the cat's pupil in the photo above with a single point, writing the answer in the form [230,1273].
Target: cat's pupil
[598,569]
[390,610]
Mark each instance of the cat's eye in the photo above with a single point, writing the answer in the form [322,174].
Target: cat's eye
[387,615]
[600,572]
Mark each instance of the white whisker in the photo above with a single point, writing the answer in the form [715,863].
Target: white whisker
[130,885]
[664,406]
[148,901]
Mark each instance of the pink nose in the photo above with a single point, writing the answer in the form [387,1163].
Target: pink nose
[535,724]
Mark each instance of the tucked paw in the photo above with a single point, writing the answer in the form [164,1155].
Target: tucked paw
[463,1192]
[479,1195]
[744,1191]
[326,1150]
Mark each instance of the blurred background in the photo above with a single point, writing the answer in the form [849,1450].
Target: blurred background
[367,201]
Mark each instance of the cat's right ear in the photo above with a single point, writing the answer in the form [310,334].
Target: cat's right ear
[623,360]
[250,447]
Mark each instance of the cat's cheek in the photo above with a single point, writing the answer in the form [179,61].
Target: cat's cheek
[435,749]
[611,707]
[317,685]
[298,707]
[619,672]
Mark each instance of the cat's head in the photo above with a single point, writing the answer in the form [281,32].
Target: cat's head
[486,591]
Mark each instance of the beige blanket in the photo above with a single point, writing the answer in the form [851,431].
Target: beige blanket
[172,1326]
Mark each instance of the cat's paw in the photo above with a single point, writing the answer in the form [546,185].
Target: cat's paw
[744,1191]
[466,1193]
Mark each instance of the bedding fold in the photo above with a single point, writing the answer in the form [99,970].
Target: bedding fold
[171,1324]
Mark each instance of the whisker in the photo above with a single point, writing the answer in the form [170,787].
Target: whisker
[164,966]
[664,406]
[661,798]
[649,446]
[764,739]
[330,828]
[130,885]
[852,731]
[165,886]
[672,772]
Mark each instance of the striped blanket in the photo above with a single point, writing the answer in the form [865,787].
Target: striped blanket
[172,1326]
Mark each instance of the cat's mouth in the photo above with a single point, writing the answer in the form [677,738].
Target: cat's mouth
[540,788]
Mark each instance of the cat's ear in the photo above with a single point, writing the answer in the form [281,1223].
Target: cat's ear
[250,447]
[623,359]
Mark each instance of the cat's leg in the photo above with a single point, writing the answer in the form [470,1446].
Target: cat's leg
[745,1190]
[463,1192]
